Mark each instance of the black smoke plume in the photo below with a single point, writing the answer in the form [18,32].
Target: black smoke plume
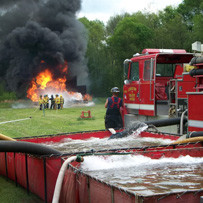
[36,30]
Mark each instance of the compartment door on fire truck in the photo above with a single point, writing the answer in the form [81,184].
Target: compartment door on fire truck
[147,101]
[131,90]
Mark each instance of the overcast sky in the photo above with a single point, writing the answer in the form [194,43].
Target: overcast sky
[104,9]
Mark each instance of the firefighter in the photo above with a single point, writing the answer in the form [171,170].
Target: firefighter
[57,101]
[41,102]
[52,102]
[113,104]
[61,102]
[47,102]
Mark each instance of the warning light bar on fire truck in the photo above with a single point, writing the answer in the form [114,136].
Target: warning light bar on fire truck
[154,51]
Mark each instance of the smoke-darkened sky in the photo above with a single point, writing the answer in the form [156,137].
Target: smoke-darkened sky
[35,30]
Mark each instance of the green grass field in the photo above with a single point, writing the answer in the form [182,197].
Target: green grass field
[53,122]
[9,193]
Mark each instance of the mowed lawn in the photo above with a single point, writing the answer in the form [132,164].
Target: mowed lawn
[50,121]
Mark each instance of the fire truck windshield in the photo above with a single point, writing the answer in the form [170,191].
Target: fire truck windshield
[134,71]
[165,69]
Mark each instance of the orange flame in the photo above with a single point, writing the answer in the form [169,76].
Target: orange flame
[87,97]
[45,83]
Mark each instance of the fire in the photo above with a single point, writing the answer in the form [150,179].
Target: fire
[45,84]
[87,97]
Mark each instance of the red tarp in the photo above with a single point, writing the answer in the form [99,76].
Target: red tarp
[81,188]
[16,169]
[87,135]
[30,171]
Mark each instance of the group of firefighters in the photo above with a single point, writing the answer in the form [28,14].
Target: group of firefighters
[56,103]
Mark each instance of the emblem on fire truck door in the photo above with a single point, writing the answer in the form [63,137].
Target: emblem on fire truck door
[132,93]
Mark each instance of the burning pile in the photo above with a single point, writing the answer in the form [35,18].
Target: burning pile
[45,83]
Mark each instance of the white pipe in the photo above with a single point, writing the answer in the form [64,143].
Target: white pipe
[181,121]
[59,180]
[111,130]
[15,120]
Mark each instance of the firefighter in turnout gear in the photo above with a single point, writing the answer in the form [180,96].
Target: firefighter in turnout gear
[57,101]
[46,102]
[61,101]
[41,102]
[113,104]
[52,102]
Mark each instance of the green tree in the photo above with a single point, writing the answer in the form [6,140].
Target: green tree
[198,24]
[113,22]
[98,61]
[129,37]
[173,32]
[189,9]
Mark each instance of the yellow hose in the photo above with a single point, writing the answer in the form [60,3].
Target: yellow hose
[192,139]
[4,137]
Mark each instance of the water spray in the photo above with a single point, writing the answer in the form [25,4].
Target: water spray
[12,121]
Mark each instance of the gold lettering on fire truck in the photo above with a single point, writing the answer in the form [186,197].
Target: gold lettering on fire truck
[132,89]
[131,93]
[132,97]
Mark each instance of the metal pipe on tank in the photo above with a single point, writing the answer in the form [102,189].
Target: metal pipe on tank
[181,121]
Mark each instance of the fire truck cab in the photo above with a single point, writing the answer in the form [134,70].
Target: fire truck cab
[153,81]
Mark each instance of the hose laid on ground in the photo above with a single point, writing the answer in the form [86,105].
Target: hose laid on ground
[4,137]
[193,139]
[23,119]
[59,180]
[27,147]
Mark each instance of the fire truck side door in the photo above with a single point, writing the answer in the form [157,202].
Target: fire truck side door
[131,90]
[147,101]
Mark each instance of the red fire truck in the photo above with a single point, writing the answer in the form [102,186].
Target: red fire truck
[157,85]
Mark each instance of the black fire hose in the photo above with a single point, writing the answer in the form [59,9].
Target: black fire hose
[27,147]
[165,122]
[196,134]
[196,72]
[196,60]
[156,123]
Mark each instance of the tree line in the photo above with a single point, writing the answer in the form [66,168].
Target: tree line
[126,34]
